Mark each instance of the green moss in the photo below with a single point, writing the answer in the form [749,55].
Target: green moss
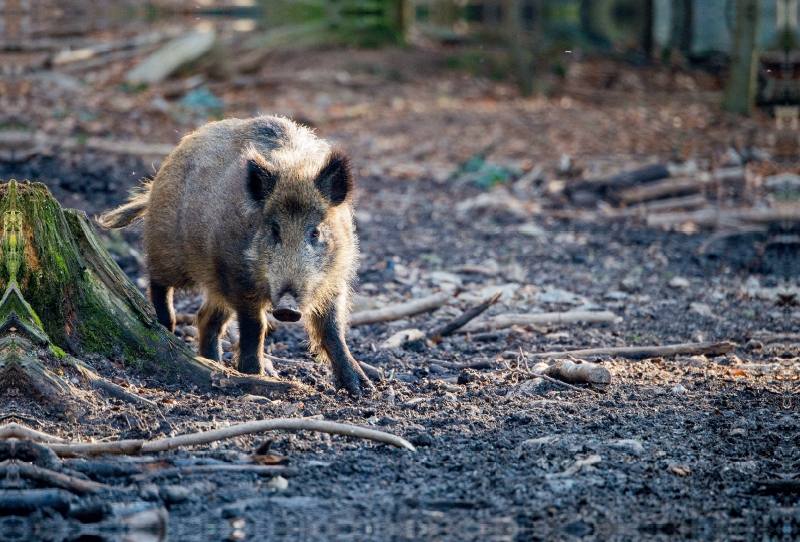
[57,352]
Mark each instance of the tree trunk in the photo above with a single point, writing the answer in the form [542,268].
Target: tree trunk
[63,290]
[740,93]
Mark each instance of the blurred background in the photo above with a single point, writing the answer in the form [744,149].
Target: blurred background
[680,113]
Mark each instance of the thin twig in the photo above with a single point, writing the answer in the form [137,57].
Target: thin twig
[401,310]
[461,320]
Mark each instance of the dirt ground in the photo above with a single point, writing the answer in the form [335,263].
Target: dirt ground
[674,448]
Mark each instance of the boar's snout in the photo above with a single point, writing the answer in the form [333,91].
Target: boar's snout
[287,309]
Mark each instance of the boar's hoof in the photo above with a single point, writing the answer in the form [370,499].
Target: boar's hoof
[253,366]
[287,310]
[355,383]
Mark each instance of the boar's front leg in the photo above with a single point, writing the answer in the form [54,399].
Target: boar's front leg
[211,321]
[252,328]
[327,332]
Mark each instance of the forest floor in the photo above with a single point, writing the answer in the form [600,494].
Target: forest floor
[675,447]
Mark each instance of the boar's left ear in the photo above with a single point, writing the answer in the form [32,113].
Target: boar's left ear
[335,181]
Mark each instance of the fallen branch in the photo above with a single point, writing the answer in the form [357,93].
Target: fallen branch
[259,470]
[502,321]
[15,430]
[477,365]
[464,318]
[58,479]
[135,447]
[671,204]
[670,187]
[99,383]
[712,217]
[401,310]
[712,349]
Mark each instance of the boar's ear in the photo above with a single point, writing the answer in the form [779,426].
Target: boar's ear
[335,181]
[260,181]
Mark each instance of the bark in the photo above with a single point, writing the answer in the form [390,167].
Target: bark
[65,293]
[740,92]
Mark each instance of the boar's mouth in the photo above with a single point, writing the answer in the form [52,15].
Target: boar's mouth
[287,309]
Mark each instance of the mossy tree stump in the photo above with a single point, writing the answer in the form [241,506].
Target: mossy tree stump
[63,291]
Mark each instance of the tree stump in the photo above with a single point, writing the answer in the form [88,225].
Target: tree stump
[65,296]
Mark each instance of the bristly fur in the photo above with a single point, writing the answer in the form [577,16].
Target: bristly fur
[125,215]
[251,211]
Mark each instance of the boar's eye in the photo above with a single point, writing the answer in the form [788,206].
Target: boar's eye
[315,235]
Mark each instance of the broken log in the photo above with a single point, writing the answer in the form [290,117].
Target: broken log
[596,376]
[711,349]
[502,321]
[401,310]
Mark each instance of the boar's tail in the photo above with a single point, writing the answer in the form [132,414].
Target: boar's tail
[125,215]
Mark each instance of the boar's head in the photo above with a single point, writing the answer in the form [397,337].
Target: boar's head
[302,245]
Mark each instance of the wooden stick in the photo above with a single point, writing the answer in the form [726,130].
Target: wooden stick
[260,470]
[135,447]
[401,310]
[596,376]
[485,364]
[710,216]
[464,318]
[712,349]
[671,204]
[117,447]
[100,383]
[502,321]
[260,426]
[670,187]
[14,430]
[60,480]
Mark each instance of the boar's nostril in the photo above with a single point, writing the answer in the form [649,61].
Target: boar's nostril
[287,310]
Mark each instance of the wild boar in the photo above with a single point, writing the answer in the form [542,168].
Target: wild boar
[257,214]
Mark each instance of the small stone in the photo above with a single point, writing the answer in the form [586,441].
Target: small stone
[738,432]
[537,442]
[466,376]
[701,308]
[679,282]
[190,331]
[279,482]
[148,492]
[397,339]
[615,295]
[632,444]
[142,283]
[678,390]
[422,439]
[175,494]
[226,345]
[227,355]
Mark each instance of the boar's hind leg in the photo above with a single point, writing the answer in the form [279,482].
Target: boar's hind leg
[252,328]
[211,321]
[161,297]
[327,332]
